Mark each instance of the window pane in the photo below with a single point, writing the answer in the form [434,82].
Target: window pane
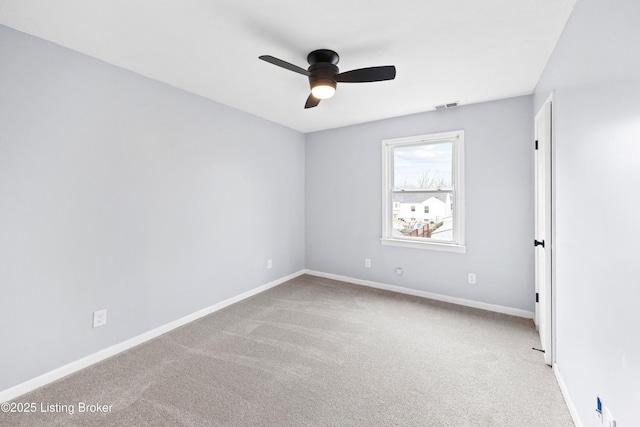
[425,166]
[433,219]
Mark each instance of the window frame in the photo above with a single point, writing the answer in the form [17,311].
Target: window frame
[456,138]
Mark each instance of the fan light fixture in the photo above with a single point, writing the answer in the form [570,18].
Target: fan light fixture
[323,89]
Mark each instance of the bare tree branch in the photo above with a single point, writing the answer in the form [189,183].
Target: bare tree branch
[430,179]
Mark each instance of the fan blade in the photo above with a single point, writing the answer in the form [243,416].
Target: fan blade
[312,101]
[365,75]
[284,64]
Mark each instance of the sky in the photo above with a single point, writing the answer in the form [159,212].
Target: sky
[412,163]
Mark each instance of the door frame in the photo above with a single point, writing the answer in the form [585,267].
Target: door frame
[546,152]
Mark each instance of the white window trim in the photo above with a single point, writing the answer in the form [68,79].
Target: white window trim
[457,137]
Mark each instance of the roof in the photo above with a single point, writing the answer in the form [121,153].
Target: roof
[419,197]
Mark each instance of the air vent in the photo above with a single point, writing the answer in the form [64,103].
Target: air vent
[445,106]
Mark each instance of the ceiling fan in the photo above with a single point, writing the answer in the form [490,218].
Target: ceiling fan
[324,74]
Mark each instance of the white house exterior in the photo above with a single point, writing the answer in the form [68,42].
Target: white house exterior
[413,210]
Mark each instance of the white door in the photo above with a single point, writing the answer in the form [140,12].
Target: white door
[543,259]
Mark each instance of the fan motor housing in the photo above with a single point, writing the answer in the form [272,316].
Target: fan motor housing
[323,74]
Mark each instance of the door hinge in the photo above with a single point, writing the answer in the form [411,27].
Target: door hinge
[537,297]
[538,243]
[536,144]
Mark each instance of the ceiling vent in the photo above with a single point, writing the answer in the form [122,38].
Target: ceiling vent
[449,105]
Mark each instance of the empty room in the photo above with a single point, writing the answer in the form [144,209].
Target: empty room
[219,213]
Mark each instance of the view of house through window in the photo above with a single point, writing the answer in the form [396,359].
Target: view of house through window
[422,177]
[423,189]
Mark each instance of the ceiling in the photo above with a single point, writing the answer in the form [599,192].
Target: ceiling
[444,51]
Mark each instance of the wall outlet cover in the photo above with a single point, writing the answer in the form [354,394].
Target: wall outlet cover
[99,318]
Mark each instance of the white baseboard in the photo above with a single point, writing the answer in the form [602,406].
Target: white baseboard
[567,397]
[49,377]
[454,300]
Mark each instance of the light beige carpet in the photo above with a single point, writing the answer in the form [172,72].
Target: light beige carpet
[317,352]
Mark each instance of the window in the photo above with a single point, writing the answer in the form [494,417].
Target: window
[424,170]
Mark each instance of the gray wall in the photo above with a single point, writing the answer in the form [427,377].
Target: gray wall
[595,71]
[123,193]
[343,205]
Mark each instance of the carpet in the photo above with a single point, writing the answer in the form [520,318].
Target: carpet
[318,352]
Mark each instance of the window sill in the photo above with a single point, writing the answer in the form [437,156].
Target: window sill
[442,247]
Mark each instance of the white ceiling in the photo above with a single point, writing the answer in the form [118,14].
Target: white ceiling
[444,50]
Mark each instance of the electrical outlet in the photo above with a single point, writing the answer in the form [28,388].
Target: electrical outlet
[471,278]
[367,262]
[99,318]
[399,271]
[269,263]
